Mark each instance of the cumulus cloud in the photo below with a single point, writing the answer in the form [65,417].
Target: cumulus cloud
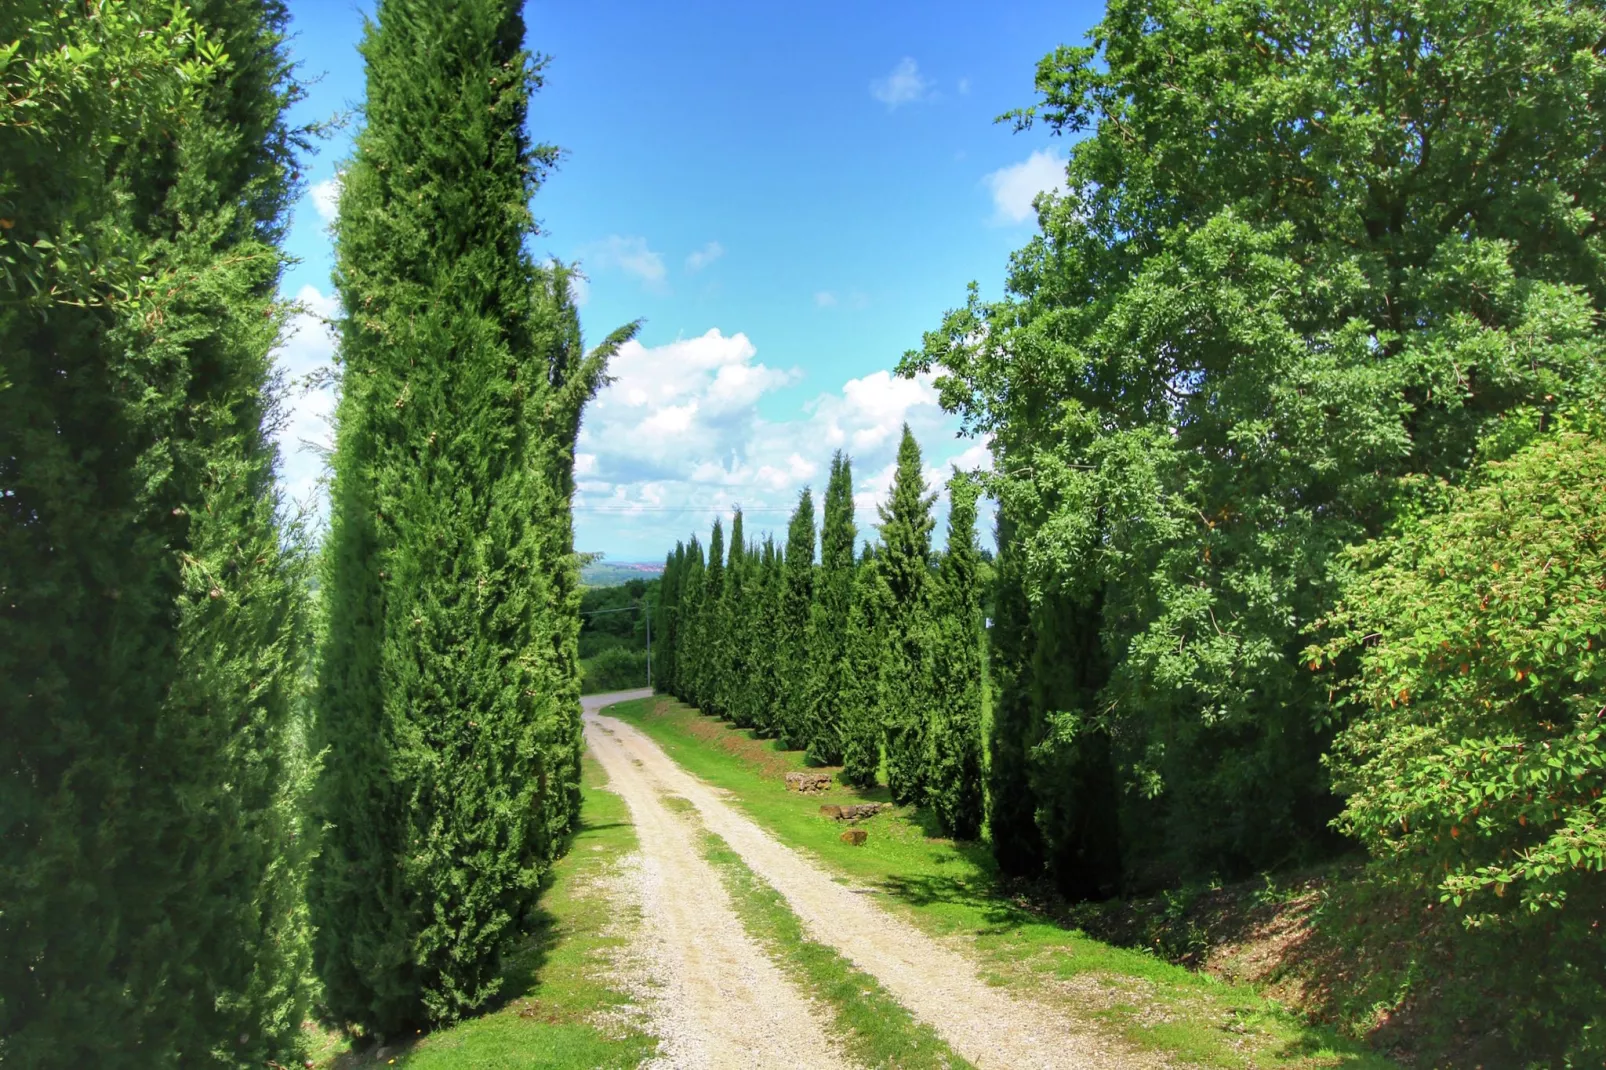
[678,437]
[326,198]
[904,85]
[1014,187]
[303,357]
[629,255]
[705,256]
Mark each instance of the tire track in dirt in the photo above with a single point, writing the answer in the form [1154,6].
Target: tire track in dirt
[713,997]
[941,987]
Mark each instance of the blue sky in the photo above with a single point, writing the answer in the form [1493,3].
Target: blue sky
[787,200]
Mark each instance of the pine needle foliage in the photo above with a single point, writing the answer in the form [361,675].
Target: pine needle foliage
[448,689]
[954,776]
[154,631]
[904,562]
[688,610]
[757,705]
[792,608]
[828,620]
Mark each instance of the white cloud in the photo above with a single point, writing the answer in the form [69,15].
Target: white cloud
[824,299]
[307,349]
[678,437]
[964,86]
[629,255]
[705,256]
[904,85]
[326,198]
[1015,186]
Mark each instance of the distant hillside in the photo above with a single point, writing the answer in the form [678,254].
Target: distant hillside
[614,573]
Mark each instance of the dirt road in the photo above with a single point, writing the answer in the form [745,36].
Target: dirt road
[934,982]
[713,997]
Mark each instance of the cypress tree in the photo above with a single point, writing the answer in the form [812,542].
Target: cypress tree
[1012,819]
[153,632]
[828,620]
[905,566]
[447,692]
[758,638]
[953,778]
[732,651]
[864,650]
[793,606]
[710,622]
[689,641]
[665,624]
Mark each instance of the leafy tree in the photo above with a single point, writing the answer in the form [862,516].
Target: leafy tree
[448,692]
[828,619]
[864,652]
[1016,723]
[1473,758]
[154,628]
[1306,255]
[904,562]
[792,608]
[954,777]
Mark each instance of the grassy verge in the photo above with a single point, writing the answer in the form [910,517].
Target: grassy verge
[567,1015]
[875,1030]
[950,890]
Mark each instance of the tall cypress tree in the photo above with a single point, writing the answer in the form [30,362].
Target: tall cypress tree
[953,777]
[732,651]
[828,622]
[758,637]
[710,622]
[1017,842]
[905,566]
[448,699]
[665,625]
[689,641]
[152,633]
[793,606]
[863,655]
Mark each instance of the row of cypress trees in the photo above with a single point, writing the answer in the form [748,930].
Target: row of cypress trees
[220,801]
[859,663]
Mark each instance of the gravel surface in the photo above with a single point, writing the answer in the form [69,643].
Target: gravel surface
[934,982]
[712,996]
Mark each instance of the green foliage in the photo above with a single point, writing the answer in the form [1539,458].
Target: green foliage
[762,687]
[828,619]
[688,611]
[155,627]
[864,648]
[792,608]
[449,685]
[904,564]
[954,774]
[731,674]
[1474,756]
[1306,254]
[613,669]
[710,624]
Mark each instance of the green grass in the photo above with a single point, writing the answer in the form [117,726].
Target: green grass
[566,1015]
[874,1029]
[950,889]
